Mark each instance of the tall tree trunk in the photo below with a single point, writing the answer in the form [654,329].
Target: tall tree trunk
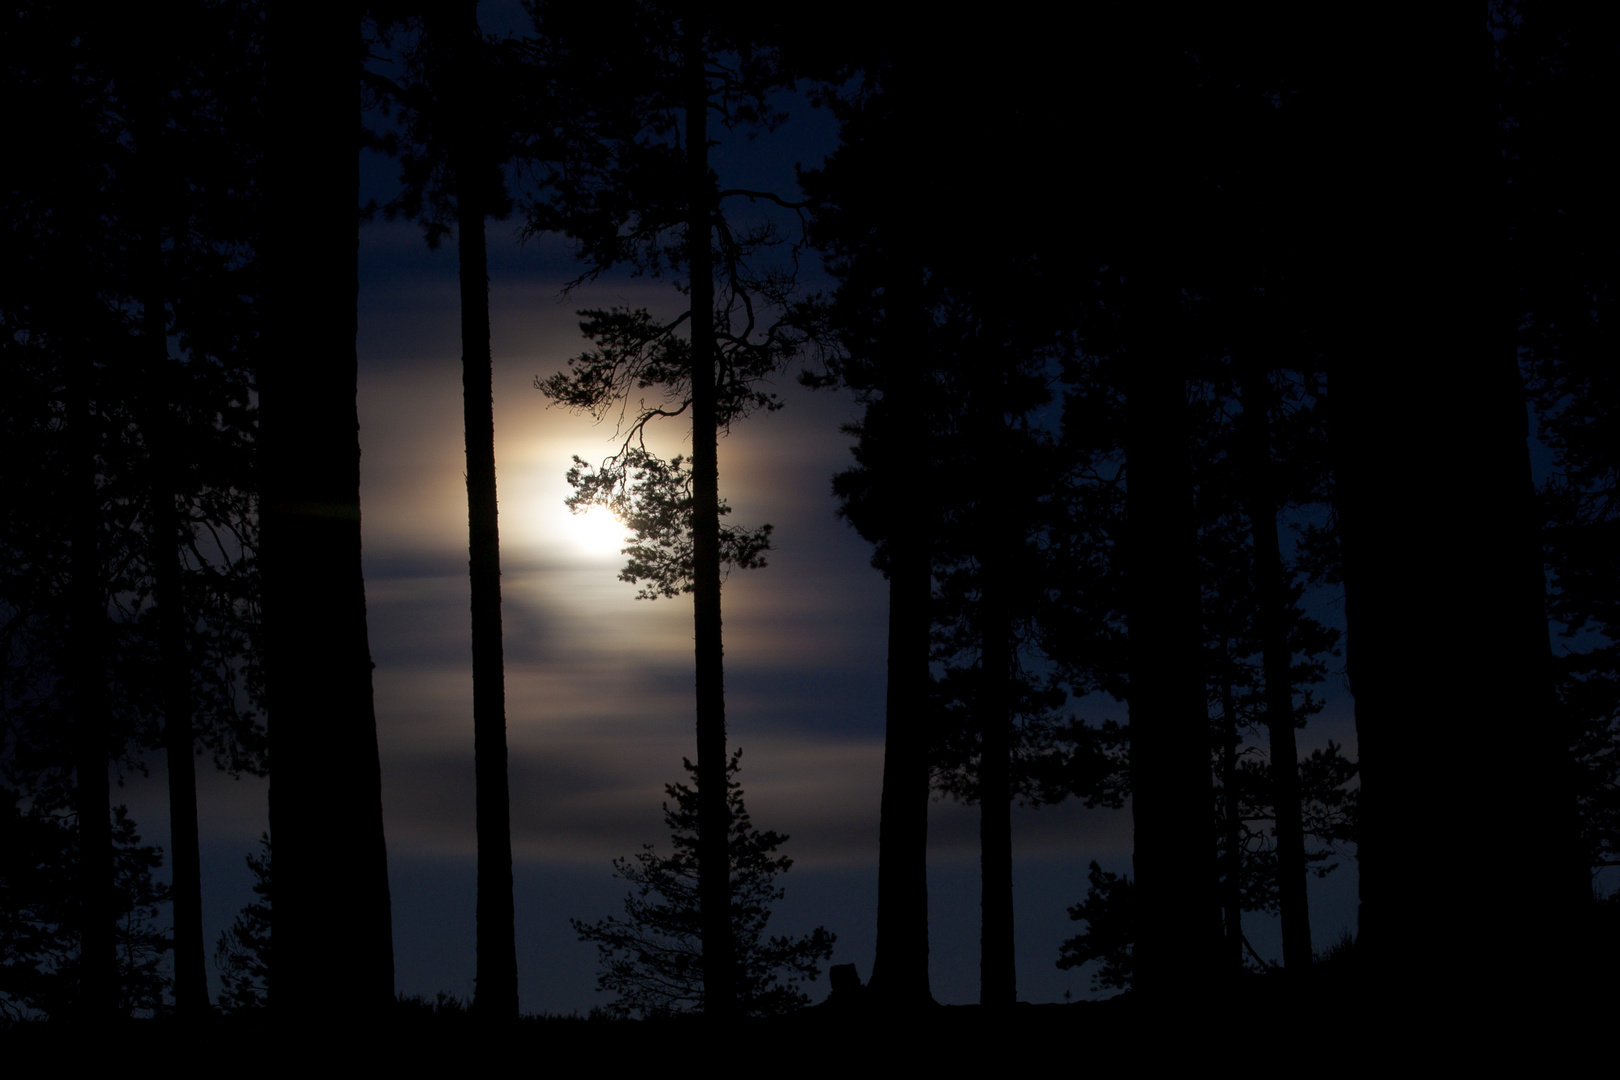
[1513,667]
[1271,615]
[714,820]
[98,1000]
[1552,770]
[179,739]
[166,559]
[900,958]
[179,743]
[1179,926]
[1232,826]
[1397,708]
[333,942]
[998,981]
[1441,564]
[998,977]
[496,992]
[1179,922]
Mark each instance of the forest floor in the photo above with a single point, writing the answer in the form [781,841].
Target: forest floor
[1320,1030]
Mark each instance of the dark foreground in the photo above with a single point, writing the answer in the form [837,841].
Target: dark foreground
[1314,1030]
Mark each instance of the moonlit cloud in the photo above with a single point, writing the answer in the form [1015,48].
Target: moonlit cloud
[599,685]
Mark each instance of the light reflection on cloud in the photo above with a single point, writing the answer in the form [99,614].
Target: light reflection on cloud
[599,701]
[599,685]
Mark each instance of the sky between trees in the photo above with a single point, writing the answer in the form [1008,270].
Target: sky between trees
[599,710]
[599,684]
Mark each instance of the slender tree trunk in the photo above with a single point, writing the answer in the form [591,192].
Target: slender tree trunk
[1232,825]
[714,821]
[900,960]
[98,1000]
[1272,611]
[998,981]
[333,947]
[998,977]
[496,993]
[164,556]
[1179,919]
[179,740]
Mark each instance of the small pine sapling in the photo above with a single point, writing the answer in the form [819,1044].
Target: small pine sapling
[652,955]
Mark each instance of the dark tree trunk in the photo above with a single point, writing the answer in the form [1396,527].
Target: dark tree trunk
[1507,476]
[179,740]
[1442,569]
[179,743]
[1179,920]
[98,1000]
[1516,685]
[166,559]
[1161,249]
[1271,616]
[1398,706]
[900,960]
[1232,827]
[714,820]
[998,977]
[496,993]
[1460,460]
[333,946]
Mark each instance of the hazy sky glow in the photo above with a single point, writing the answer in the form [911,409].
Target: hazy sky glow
[599,685]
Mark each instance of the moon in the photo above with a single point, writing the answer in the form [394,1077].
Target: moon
[596,533]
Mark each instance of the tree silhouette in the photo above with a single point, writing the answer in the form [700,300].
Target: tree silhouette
[452,179]
[1273,610]
[1110,933]
[993,546]
[41,940]
[1254,630]
[880,320]
[242,953]
[148,216]
[1162,277]
[1080,636]
[326,786]
[497,988]
[1170,777]
[652,958]
[1460,452]
[67,529]
[1552,70]
[639,189]
[943,335]
[193,271]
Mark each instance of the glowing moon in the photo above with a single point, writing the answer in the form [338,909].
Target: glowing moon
[595,533]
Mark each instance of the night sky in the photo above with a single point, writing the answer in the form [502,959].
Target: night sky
[1243,228]
[599,684]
